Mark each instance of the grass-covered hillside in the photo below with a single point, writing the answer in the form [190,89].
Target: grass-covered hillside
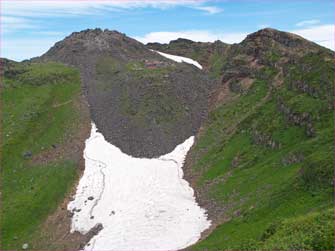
[41,115]
[263,163]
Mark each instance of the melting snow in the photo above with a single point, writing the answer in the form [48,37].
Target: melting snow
[143,204]
[180,59]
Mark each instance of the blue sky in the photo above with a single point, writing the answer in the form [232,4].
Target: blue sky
[29,28]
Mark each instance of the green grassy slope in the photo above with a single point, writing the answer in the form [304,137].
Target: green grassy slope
[36,115]
[266,158]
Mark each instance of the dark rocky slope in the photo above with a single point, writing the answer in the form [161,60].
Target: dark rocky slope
[142,102]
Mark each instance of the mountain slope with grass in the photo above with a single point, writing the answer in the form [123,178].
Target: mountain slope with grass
[263,162]
[45,122]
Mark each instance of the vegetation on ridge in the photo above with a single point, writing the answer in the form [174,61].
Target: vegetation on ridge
[265,159]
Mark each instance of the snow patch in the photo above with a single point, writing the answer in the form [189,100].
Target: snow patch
[143,204]
[180,59]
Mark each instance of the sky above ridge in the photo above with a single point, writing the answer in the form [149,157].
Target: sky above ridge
[30,28]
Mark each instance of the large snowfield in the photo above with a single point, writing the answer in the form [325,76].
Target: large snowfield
[143,204]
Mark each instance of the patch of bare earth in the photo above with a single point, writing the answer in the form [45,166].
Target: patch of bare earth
[221,96]
[55,232]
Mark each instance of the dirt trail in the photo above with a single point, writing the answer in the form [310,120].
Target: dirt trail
[61,104]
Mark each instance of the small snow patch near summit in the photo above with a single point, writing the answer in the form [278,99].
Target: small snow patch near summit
[143,204]
[179,59]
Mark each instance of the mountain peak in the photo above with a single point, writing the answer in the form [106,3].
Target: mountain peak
[75,48]
[181,40]
[273,33]
[96,32]
[268,36]
[96,39]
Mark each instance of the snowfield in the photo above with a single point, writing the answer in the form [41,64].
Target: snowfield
[180,59]
[143,204]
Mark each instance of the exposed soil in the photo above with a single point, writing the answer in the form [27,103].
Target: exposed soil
[221,95]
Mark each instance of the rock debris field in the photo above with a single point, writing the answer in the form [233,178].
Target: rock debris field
[142,204]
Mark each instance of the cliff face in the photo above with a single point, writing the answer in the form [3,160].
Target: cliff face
[142,102]
[263,161]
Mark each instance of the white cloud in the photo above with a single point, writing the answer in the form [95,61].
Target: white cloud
[322,34]
[48,8]
[17,14]
[195,35]
[52,7]
[307,22]
[209,9]
[10,23]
